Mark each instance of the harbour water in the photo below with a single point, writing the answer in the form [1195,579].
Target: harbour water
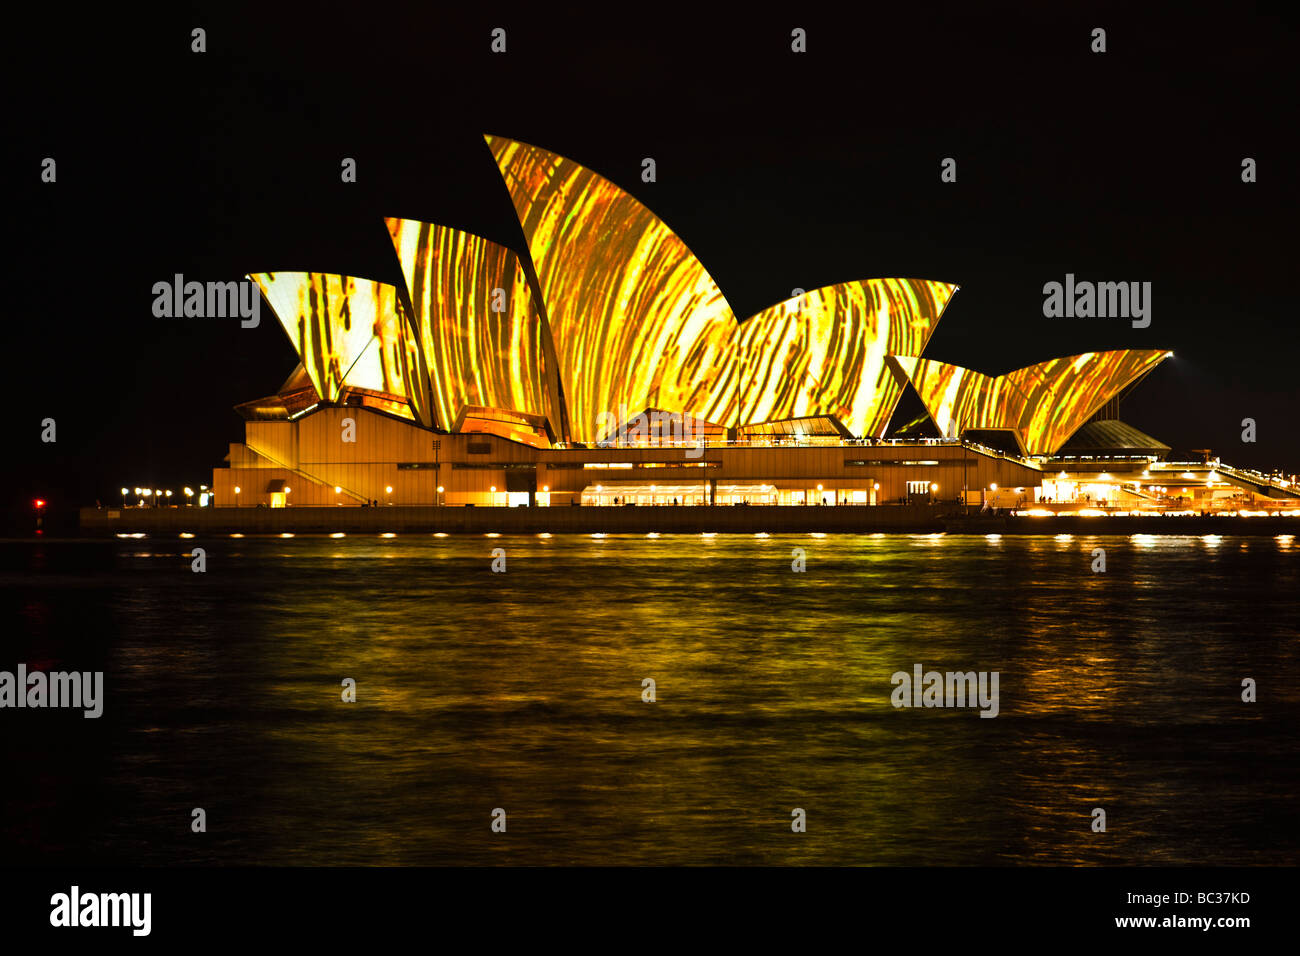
[524,690]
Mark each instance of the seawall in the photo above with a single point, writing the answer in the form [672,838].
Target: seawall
[746,519]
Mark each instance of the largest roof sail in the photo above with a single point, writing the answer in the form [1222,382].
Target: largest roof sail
[637,320]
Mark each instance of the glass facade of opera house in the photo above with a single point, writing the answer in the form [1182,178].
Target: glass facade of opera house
[606,367]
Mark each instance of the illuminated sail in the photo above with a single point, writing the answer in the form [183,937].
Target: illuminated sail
[484,341]
[1043,404]
[349,333]
[1064,393]
[638,322]
[823,353]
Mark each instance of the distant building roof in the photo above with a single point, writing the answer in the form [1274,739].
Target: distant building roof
[1112,437]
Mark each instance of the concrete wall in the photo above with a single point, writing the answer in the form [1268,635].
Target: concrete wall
[585,520]
[667,520]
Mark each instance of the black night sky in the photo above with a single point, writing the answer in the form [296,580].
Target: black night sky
[778,170]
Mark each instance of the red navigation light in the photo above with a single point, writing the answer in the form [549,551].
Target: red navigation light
[40,503]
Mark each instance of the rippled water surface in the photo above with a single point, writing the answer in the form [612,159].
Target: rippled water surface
[523,691]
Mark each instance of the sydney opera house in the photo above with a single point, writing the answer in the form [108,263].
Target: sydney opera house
[603,365]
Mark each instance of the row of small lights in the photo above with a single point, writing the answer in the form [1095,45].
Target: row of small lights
[338,489]
[159,492]
[1142,538]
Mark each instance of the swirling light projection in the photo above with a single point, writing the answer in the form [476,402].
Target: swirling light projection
[483,339]
[823,353]
[958,399]
[349,333]
[1043,404]
[1064,393]
[638,322]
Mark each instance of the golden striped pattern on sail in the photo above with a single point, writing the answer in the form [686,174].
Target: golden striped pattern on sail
[823,353]
[1062,394]
[957,398]
[348,332]
[482,335]
[1043,404]
[638,323]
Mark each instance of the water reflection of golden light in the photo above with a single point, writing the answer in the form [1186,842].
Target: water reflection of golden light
[993,537]
[652,534]
[440,534]
[337,534]
[1211,539]
[760,534]
[1086,684]
[1145,540]
[598,534]
[186,534]
[1065,537]
[544,534]
[287,534]
[388,534]
[817,534]
[492,534]
[236,535]
[708,534]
